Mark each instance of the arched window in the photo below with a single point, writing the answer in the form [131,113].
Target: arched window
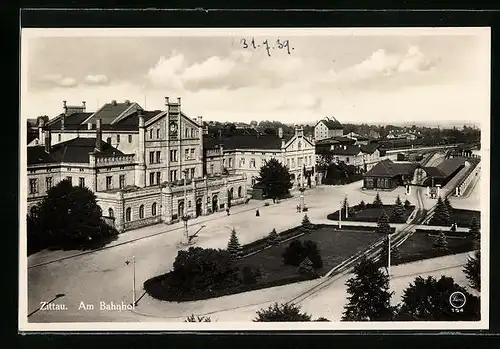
[34,211]
[239,192]
[141,212]
[128,214]
[299,145]
[111,214]
[153,209]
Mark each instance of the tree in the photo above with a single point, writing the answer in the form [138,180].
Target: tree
[275,178]
[472,270]
[273,238]
[377,202]
[306,268]
[441,242]
[448,206]
[429,299]
[369,296]
[384,257]
[407,204]
[282,313]
[345,207]
[474,232]
[233,246]
[362,205]
[199,270]
[193,318]
[383,226]
[69,218]
[297,251]
[398,212]
[306,223]
[441,214]
[248,275]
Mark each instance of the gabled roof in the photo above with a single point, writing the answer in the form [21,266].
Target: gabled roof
[131,122]
[73,151]
[387,168]
[245,142]
[445,168]
[71,122]
[109,112]
[331,123]
[369,148]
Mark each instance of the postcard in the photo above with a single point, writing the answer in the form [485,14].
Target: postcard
[245,178]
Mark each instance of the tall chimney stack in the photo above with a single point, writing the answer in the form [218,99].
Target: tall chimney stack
[47,141]
[141,118]
[98,135]
[166,101]
[179,100]
[280,132]
[200,120]
[65,108]
[84,105]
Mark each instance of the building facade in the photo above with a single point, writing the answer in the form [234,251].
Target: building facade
[328,128]
[246,154]
[145,167]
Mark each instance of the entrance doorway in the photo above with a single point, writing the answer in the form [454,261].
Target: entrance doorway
[180,209]
[215,203]
[199,205]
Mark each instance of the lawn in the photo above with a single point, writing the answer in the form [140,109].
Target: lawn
[335,246]
[462,218]
[371,214]
[419,246]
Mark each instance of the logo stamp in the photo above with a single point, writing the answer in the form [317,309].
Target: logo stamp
[457,301]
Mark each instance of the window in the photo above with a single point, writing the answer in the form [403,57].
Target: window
[117,138]
[192,133]
[173,175]
[239,192]
[173,155]
[122,181]
[300,162]
[288,163]
[82,169]
[130,138]
[223,162]
[34,211]
[128,214]
[81,182]
[59,137]
[109,182]
[141,212]
[111,213]
[151,134]
[186,154]
[158,157]
[70,179]
[48,182]
[158,134]
[151,157]
[33,186]
[187,132]
[293,163]
[242,162]
[252,163]
[192,153]
[211,168]
[153,209]
[151,178]
[347,160]
[230,163]
[158,177]
[192,172]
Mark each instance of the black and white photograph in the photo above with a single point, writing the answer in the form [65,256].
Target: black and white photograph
[245,178]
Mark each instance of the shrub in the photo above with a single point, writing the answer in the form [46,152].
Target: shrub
[377,202]
[441,242]
[407,204]
[362,205]
[320,319]
[296,252]
[282,313]
[306,223]
[273,238]
[248,276]
[306,268]
[193,318]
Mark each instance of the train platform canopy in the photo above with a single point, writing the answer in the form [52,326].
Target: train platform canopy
[446,168]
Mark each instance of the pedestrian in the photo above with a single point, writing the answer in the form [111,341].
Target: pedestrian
[257,213]
[298,208]
[274,200]
[227,211]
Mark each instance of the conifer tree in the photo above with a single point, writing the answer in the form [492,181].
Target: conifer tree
[407,204]
[441,242]
[383,226]
[474,232]
[362,205]
[273,238]
[472,270]
[369,296]
[233,246]
[306,223]
[441,215]
[377,202]
[398,212]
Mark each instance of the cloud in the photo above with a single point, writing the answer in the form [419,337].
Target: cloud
[96,79]
[213,72]
[382,64]
[59,80]
[166,71]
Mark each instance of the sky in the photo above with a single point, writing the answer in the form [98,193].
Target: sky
[370,76]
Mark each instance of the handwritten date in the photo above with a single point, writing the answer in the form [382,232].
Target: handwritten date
[268,45]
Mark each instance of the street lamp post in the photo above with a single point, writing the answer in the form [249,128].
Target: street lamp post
[185,218]
[340,214]
[346,208]
[133,280]
[389,256]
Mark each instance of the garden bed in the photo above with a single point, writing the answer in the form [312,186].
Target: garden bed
[335,246]
[371,214]
[419,246]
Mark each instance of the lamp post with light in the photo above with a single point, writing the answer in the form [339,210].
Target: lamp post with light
[133,280]
[184,213]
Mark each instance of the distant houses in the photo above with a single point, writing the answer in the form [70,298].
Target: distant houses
[328,128]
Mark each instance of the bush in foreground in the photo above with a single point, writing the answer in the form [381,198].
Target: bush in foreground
[193,318]
[282,313]
[297,251]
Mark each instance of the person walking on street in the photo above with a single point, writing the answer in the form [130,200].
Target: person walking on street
[257,213]
[227,211]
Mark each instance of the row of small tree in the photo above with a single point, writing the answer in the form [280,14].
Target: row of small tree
[442,212]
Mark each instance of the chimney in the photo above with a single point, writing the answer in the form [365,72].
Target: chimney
[98,135]
[200,121]
[166,101]
[113,102]
[84,105]
[127,102]
[65,108]
[179,100]
[141,118]
[41,124]
[280,132]
[89,126]
[47,141]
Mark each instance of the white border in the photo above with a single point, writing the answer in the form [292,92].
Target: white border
[24,325]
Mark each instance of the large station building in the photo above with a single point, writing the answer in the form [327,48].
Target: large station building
[145,167]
